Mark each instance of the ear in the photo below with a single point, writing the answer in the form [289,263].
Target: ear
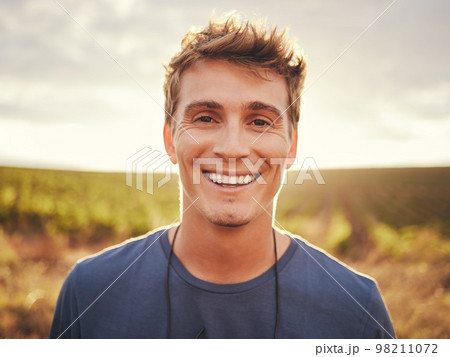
[168,143]
[292,150]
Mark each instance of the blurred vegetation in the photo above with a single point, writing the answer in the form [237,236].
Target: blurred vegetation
[393,224]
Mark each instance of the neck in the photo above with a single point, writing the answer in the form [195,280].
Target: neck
[227,255]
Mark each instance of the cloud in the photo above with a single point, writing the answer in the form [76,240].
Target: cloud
[398,66]
[397,72]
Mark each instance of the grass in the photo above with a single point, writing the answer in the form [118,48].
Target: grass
[393,224]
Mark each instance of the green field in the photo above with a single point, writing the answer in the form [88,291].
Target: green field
[393,224]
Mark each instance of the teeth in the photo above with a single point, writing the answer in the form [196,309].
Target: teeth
[231,180]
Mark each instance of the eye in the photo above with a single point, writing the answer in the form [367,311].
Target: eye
[204,119]
[260,122]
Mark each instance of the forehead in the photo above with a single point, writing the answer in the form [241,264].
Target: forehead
[231,84]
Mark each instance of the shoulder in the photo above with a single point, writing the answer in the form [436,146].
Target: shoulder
[327,281]
[321,264]
[115,276]
[114,261]
[335,289]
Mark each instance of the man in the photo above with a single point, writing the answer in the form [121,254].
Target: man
[232,104]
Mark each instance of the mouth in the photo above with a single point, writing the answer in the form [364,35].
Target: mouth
[231,181]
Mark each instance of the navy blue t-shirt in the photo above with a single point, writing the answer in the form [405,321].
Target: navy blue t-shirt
[120,293]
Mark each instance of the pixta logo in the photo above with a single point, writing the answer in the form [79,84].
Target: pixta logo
[144,164]
[217,165]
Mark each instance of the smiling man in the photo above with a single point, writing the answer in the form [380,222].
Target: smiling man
[232,108]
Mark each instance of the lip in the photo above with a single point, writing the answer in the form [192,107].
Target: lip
[230,187]
[233,173]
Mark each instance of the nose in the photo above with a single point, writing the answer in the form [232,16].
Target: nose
[231,142]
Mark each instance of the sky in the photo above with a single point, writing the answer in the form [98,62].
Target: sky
[81,81]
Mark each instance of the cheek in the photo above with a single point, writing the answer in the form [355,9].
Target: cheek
[187,150]
[276,146]
[276,153]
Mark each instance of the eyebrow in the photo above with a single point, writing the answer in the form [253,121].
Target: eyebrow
[210,104]
[263,106]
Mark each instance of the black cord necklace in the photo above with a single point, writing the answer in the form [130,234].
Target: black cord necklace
[277,289]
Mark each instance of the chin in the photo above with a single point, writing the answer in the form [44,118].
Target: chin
[228,220]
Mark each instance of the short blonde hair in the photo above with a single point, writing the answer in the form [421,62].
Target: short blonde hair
[244,43]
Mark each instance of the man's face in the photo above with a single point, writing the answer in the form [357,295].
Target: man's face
[230,117]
